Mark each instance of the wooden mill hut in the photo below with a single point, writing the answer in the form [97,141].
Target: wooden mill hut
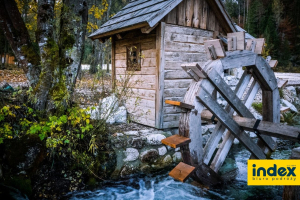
[151,39]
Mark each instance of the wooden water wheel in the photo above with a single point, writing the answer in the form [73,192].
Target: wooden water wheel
[202,164]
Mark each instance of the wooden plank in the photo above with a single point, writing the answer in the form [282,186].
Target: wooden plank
[273,63]
[176,141]
[175,83]
[189,12]
[264,74]
[185,57]
[177,37]
[160,62]
[266,128]
[197,13]
[184,47]
[240,39]
[230,124]
[260,45]
[175,92]
[171,124]
[211,21]
[188,31]
[219,48]
[171,118]
[148,29]
[203,22]
[137,81]
[237,59]
[171,18]
[140,101]
[182,171]
[146,94]
[144,71]
[148,45]
[282,83]
[181,13]
[180,104]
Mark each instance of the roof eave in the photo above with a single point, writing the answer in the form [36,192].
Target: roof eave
[121,30]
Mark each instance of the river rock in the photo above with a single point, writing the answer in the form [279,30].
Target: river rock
[155,139]
[127,170]
[177,157]
[162,151]
[136,142]
[149,155]
[132,133]
[167,160]
[131,154]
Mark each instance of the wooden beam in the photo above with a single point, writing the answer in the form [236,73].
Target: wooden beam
[176,141]
[148,29]
[266,128]
[230,124]
[282,83]
[180,104]
[236,59]
[111,33]
[219,130]
[182,172]
[160,73]
[119,36]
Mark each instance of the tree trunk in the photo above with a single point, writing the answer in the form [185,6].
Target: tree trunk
[17,35]
[80,8]
[44,37]
[59,60]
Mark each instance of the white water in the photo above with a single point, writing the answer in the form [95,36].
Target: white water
[163,187]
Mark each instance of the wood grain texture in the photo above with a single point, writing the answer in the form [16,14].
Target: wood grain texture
[176,141]
[182,171]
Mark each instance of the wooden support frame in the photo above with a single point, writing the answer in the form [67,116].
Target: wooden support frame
[266,128]
[230,124]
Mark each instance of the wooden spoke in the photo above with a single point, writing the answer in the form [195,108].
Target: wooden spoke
[180,104]
[230,124]
[182,172]
[176,141]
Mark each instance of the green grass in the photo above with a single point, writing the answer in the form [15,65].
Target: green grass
[258,107]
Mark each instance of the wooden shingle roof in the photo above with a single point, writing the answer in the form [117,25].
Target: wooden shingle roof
[142,13]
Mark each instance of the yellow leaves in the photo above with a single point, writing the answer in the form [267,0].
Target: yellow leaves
[29,27]
[91,27]
[98,11]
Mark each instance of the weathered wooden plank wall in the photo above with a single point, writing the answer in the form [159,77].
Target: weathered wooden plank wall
[141,105]
[182,45]
[196,14]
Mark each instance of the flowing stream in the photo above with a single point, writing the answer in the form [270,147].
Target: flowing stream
[161,186]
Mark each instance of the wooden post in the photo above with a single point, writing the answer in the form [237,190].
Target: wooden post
[292,192]
[160,63]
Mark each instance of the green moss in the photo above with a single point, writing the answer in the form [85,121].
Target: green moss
[258,107]
[31,54]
